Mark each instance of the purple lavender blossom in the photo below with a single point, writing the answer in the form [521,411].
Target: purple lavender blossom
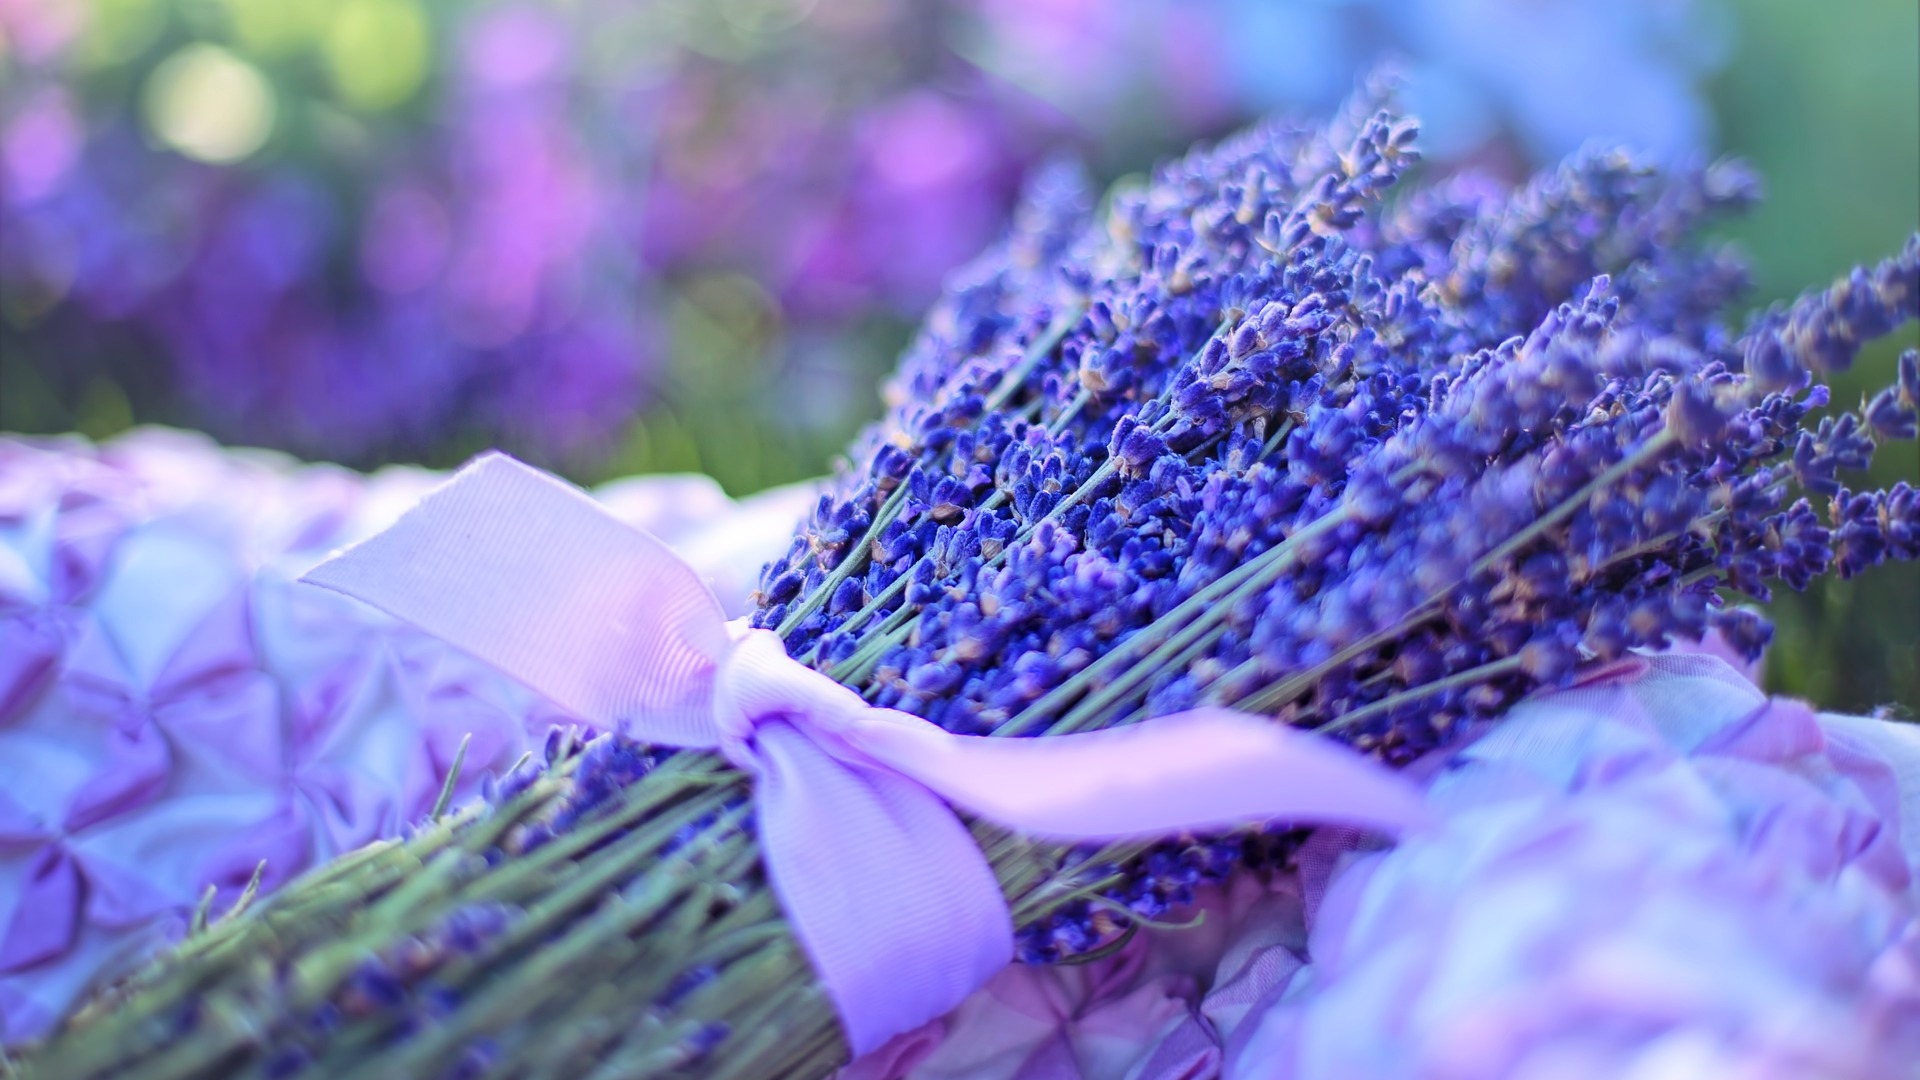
[1257,441]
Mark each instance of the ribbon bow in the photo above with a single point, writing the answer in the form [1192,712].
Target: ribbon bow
[893,902]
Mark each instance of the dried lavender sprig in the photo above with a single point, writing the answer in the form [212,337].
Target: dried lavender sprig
[1035,353]
[1654,445]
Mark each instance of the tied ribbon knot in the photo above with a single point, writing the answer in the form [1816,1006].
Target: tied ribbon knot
[888,894]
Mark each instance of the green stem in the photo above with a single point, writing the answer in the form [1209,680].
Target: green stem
[1278,437]
[1085,489]
[1504,666]
[1036,354]
[854,560]
[1179,628]
[1293,686]
[1652,448]
[453,778]
[1272,697]
[1080,401]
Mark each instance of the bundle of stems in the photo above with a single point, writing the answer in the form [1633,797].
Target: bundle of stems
[641,942]
[1254,438]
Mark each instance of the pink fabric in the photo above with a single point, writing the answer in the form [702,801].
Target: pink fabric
[1163,1008]
[536,578]
[1656,872]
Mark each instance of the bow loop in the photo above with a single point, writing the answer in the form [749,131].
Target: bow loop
[533,576]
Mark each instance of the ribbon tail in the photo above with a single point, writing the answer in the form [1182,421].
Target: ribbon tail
[1208,769]
[535,578]
[887,891]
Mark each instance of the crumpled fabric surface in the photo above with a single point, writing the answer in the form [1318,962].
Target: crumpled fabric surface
[174,707]
[1659,872]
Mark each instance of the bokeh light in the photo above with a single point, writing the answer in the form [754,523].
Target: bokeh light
[271,28]
[210,105]
[378,52]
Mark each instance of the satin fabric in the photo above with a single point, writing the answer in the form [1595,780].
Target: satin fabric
[175,708]
[1657,872]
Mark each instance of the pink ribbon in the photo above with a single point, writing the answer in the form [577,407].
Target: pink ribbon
[886,891]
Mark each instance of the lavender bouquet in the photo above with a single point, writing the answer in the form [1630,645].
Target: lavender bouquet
[1257,436]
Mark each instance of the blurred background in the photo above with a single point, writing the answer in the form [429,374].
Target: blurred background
[621,236]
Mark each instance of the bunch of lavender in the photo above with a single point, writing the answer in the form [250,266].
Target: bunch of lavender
[1259,437]
[1378,474]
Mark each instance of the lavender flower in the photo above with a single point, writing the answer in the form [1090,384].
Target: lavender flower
[1255,441]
